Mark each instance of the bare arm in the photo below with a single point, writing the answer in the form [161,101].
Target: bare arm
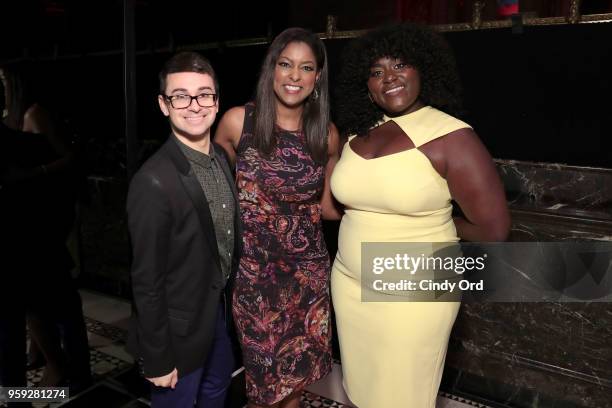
[229,131]
[330,207]
[475,185]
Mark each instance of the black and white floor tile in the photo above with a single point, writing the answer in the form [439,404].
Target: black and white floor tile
[316,401]
[446,400]
[102,364]
[116,334]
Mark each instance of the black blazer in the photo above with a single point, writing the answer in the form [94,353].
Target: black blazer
[177,281]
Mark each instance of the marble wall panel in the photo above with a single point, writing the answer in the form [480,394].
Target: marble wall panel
[541,354]
[558,189]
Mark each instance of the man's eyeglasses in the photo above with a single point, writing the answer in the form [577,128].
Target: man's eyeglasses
[204,100]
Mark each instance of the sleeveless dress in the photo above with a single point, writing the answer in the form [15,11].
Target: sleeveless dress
[392,352]
[281,301]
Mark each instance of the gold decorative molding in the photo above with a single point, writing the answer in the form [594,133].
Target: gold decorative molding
[544,21]
[493,24]
[339,35]
[477,8]
[330,27]
[453,27]
[476,23]
[596,18]
[496,24]
[574,12]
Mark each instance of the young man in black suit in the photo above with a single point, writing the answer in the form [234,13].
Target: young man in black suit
[183,222]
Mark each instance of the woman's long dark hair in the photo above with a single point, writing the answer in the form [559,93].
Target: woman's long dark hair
[315,118]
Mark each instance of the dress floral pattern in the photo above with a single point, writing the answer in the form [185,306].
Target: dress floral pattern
[281,299]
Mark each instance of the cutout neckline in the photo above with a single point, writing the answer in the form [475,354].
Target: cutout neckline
[414,147]
[380,157]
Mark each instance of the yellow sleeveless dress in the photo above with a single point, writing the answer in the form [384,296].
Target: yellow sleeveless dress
[392,352]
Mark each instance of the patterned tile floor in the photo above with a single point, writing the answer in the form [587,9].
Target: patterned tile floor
[313,400]
[102,364]
[116,384]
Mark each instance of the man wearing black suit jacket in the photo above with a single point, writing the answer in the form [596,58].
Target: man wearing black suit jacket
[183,223]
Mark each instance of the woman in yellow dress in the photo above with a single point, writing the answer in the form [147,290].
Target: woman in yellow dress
[405,161]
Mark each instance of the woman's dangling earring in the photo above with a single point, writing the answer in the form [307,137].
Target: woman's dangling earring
[315,94]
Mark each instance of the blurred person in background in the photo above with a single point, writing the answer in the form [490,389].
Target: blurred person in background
[45,172]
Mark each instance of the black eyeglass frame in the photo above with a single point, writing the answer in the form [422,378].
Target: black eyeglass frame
[170,98]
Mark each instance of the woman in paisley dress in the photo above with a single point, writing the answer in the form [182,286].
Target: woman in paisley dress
[284,149]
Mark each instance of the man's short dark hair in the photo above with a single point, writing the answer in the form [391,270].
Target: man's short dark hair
[187,61]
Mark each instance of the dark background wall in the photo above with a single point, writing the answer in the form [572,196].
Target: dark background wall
[542,95]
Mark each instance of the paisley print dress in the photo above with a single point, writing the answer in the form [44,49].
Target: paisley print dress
[281,301]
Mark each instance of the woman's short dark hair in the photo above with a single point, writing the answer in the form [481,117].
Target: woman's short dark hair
[414,44]
[315,118]
[187,61]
